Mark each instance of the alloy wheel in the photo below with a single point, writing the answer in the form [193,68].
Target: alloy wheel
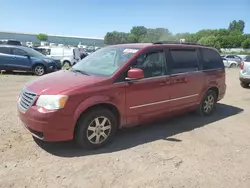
[39,70]
[99,130]
[209,104]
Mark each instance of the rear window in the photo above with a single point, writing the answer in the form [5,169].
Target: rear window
[211,59]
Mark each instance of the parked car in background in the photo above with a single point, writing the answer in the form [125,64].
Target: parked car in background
[43,50]
[67,56]
[10,42]
[141,83]
[21,58]
[243,57]
[229,63]
[245,73]
[233,58]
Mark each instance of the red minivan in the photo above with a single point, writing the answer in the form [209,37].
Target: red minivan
[120,86]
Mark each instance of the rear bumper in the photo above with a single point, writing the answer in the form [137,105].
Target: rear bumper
[50,126]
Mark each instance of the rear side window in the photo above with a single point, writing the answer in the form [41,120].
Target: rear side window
[184,60]
[13,42]
[211,59]
[4,50]
[16,51]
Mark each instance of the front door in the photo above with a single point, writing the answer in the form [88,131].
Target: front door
[20,60]
[186,80]
[148,97]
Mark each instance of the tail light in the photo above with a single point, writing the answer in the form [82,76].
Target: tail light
[242,65]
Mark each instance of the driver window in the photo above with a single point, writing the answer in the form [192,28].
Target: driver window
[152,63]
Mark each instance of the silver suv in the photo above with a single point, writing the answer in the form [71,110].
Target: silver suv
[245,72]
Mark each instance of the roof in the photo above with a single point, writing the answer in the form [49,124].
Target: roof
[143,45]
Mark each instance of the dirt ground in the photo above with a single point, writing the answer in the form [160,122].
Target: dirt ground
[187,151]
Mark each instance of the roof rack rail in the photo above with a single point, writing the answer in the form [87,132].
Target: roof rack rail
[178,42]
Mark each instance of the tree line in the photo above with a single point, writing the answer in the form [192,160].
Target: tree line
[231,37]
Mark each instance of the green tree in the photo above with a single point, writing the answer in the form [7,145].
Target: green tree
[138,32]
[132,38]
[231,37]
[246,44]
[115,37]
[237,26]
[42,37]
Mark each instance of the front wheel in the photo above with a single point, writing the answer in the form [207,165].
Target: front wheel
[207,105]
[39,70]
[66,64]
[95,128]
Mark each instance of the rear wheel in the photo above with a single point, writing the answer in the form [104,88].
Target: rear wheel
[244,84]
[96,128]
[207,105]
[233,65]
[39,70]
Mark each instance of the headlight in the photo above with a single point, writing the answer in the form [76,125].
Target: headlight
[52,102]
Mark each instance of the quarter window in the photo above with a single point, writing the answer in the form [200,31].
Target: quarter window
[184,60]
[152,63]
[211,59]
[17,51]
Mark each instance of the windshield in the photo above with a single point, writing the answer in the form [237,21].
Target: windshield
[33,53]
[105,61]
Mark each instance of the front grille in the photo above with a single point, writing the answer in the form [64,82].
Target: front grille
[27,98]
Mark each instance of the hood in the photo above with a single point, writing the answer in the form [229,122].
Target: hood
[60,81]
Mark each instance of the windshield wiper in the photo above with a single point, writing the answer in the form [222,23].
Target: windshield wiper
[79,71]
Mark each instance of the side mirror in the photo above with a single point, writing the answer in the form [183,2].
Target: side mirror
[27,56]
[135,74]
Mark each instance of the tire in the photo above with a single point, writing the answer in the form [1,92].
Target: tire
[244,84]
[66,64]
[39,70]
[233,65]
[87,131]
[208,103]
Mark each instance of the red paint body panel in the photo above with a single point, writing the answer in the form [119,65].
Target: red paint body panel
[137,102]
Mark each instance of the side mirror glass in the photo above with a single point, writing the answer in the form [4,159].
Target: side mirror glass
[135,74]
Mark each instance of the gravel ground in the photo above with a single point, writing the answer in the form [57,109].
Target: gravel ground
[187,151]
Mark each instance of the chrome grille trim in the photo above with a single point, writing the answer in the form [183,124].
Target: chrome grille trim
[27,99]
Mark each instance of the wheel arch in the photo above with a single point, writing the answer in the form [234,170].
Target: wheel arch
[94,102]
[213,88]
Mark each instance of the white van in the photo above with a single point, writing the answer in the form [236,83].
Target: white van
[67,56]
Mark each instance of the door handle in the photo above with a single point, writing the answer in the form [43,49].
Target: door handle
[164,83]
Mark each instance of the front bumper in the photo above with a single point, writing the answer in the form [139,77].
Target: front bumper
[244,77]
[47,126]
